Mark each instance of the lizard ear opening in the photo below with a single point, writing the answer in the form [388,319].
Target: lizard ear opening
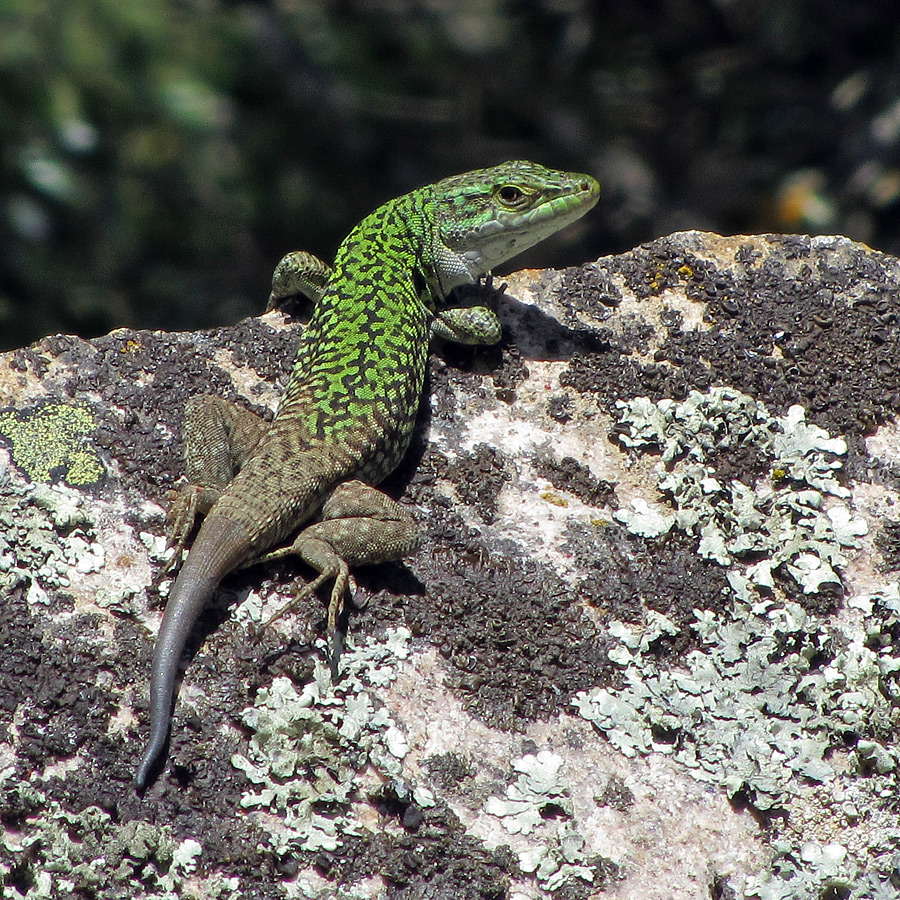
[419,282]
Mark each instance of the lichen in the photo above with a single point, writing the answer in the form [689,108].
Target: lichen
[793,521]
[310,749]
[537,787]
[760,707]
[758,710]
[49,442]
[46,537]
[813,871]
[537,805]
[60,853]
[772,691]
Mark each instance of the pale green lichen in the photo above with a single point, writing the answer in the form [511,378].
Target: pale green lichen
[50,442]
[772,691]
[60,853]
[755,706]
[310,749]
[46,538]
[537,787]
[555,853]
[559,861]
[814,871]
[792,521]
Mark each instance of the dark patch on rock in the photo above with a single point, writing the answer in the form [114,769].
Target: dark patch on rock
[67,710]
[509,375]
[881,472]
[588,289]
[633,335]
[567,474]
[559,408]
[614,376]
[437,862]
[20,661]
[742,462]
[26,358]
[449,771]
[514,634]
[616,795]
[477,477]
[606,872]
[628,574]
[722,889]
[824,602]
[888,542]
[270,352]
[440,390]
[17,804]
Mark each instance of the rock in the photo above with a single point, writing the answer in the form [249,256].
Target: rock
[662,538]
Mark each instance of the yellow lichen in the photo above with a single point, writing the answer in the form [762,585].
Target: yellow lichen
[49,443]
[555,499]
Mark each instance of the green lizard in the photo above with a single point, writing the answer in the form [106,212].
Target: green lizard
[347,415]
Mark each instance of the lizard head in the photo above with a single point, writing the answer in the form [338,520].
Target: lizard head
[485,217]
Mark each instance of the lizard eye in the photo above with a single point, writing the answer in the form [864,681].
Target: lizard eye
[509,193]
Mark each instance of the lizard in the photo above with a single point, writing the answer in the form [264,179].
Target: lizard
[347,414]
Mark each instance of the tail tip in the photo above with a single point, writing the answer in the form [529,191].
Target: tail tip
[142,778]
[145,771]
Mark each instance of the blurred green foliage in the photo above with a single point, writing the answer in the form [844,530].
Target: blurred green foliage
[157,157]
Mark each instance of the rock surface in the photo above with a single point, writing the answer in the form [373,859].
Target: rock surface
[646,650]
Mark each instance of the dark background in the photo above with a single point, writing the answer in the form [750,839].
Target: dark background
[158,157]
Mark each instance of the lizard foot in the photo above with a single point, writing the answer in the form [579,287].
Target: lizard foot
[340,572]
[183,507]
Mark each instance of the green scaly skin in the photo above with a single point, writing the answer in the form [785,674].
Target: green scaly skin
[301,273]
[347,415]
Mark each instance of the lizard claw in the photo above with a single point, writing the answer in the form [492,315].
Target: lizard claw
[335,608]
[335,651]
[304,591]
[487,282]
[335,568]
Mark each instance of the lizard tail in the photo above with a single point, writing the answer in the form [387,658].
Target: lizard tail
[220,547]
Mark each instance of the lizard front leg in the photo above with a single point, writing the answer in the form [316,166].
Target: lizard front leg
[298,273]
[471,314]
[359,525]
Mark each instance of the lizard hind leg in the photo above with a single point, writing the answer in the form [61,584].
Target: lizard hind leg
[219,437]
[359,525]
[321,556]
[330,567]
